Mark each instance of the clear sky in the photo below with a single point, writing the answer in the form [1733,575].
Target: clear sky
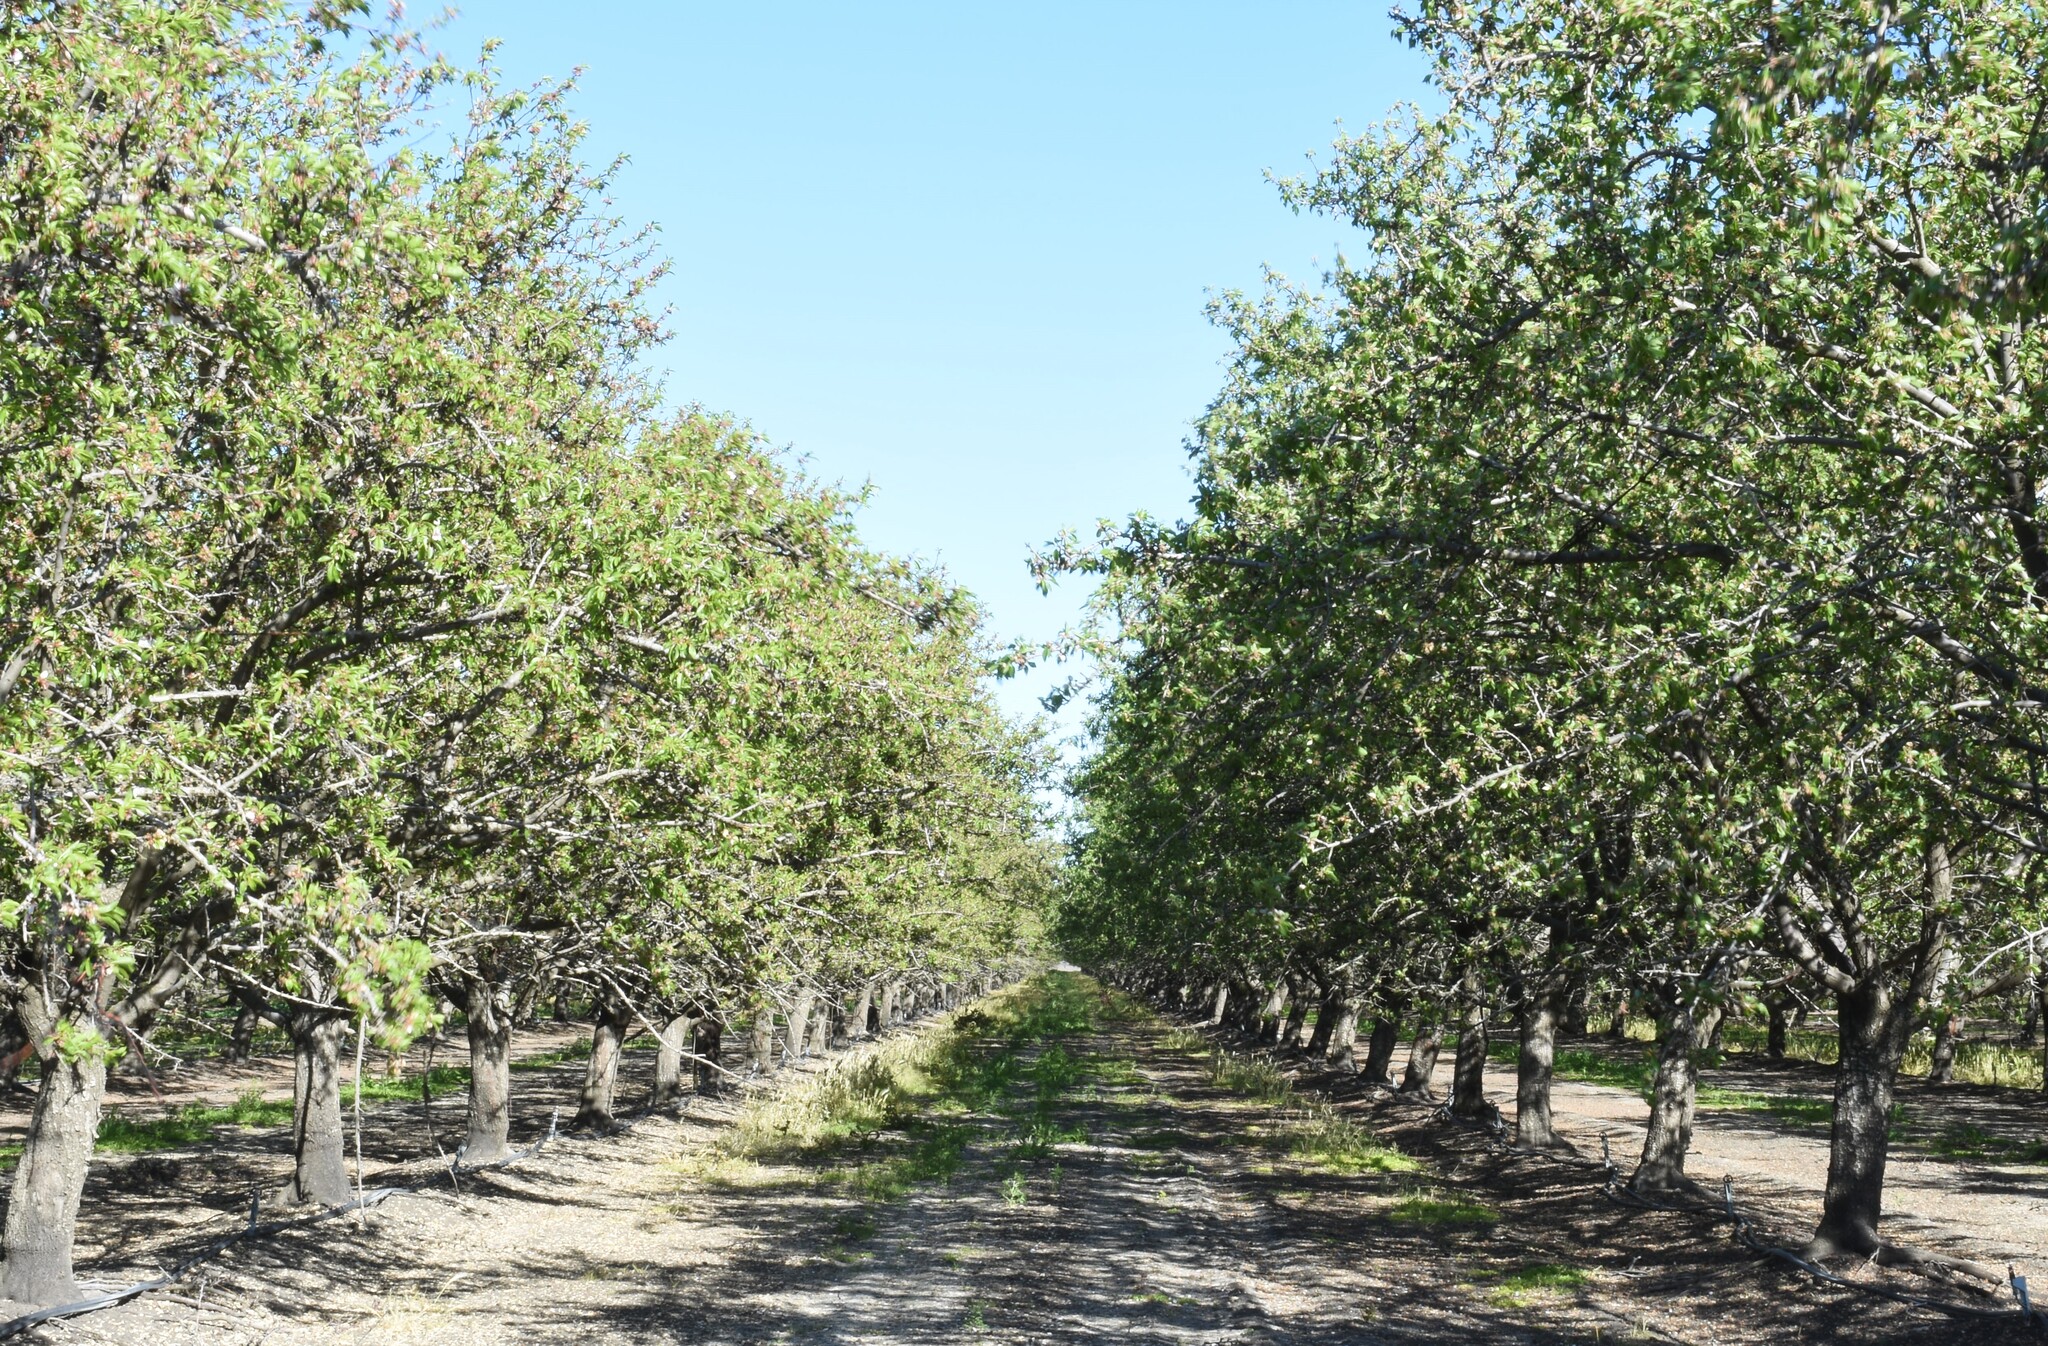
[962,250]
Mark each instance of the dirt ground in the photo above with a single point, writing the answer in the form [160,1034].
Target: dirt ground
[1182,1217]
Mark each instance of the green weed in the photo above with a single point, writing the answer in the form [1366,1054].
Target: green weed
[1443,1211]
[193,1124]
[1520,1286]
[1261,1080]
[1335,1145]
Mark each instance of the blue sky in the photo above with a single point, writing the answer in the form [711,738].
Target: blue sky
[962,251]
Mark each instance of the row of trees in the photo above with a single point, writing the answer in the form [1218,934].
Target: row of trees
[370,638]
[1627,572]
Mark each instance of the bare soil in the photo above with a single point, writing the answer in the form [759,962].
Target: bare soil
[1182,1217]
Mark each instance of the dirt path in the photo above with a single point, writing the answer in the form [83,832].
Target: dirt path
[1076,1172]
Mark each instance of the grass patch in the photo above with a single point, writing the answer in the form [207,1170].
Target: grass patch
[910,1096]
[1248,1075]
[1444,1212]
[1540,1280]
[1970,1142]
[578,1050]
[1334,1145]
[406,1088]
[1633,1071]
[192,1124]
[1183,1040]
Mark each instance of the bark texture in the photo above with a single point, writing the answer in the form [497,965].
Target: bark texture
[1668,1138]
[674,1040]
[709,1049]
[1942,1068]
[601,1076]
[1540,1011]
[1422,1054]
[49,1180]
[490,1072]
[1340,1054]
[319,1156]
[1379,1052]
[1468,1081]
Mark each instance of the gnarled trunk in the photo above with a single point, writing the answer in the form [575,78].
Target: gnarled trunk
[1533,1070]
[1860,1140]
[1379,1052]
[885,1012]
[490,1072]
[601,1076]
[319,1159]
[1941,1068]
[673,1040]
[242,1037]
[42,1214]
[798,1039]
[1669,1137]
[1422,1054]
[1274,1014]
[1289,1035]
[1468,1079]
[1327,1014]
[860,1025]
[1774,1033]
[763,1045]
[821,1027]
[709,1048]
[1339,1053]
[1219,1003]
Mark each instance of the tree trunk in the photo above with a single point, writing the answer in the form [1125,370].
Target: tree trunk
[1219,1004]
[319,1156]
[1422,1054]
[863,1010]
[49,1181]
[1774,1036]
[668,1060]
[490,1072]
[1669,1137]
[1942,1068]
[709,1049]
[1327,1014]
[1379,1051]
[1273,1015]
[242,1037]
[885,1012]
[601,1076]
[1617,1027]
[821,1027]
[1340,1053]
[763,1050]
[523,1003]
[1533,1070]
[1578,1007]
[798,1041]
[1468,1086]
[1860,1140]
[1289,1036]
